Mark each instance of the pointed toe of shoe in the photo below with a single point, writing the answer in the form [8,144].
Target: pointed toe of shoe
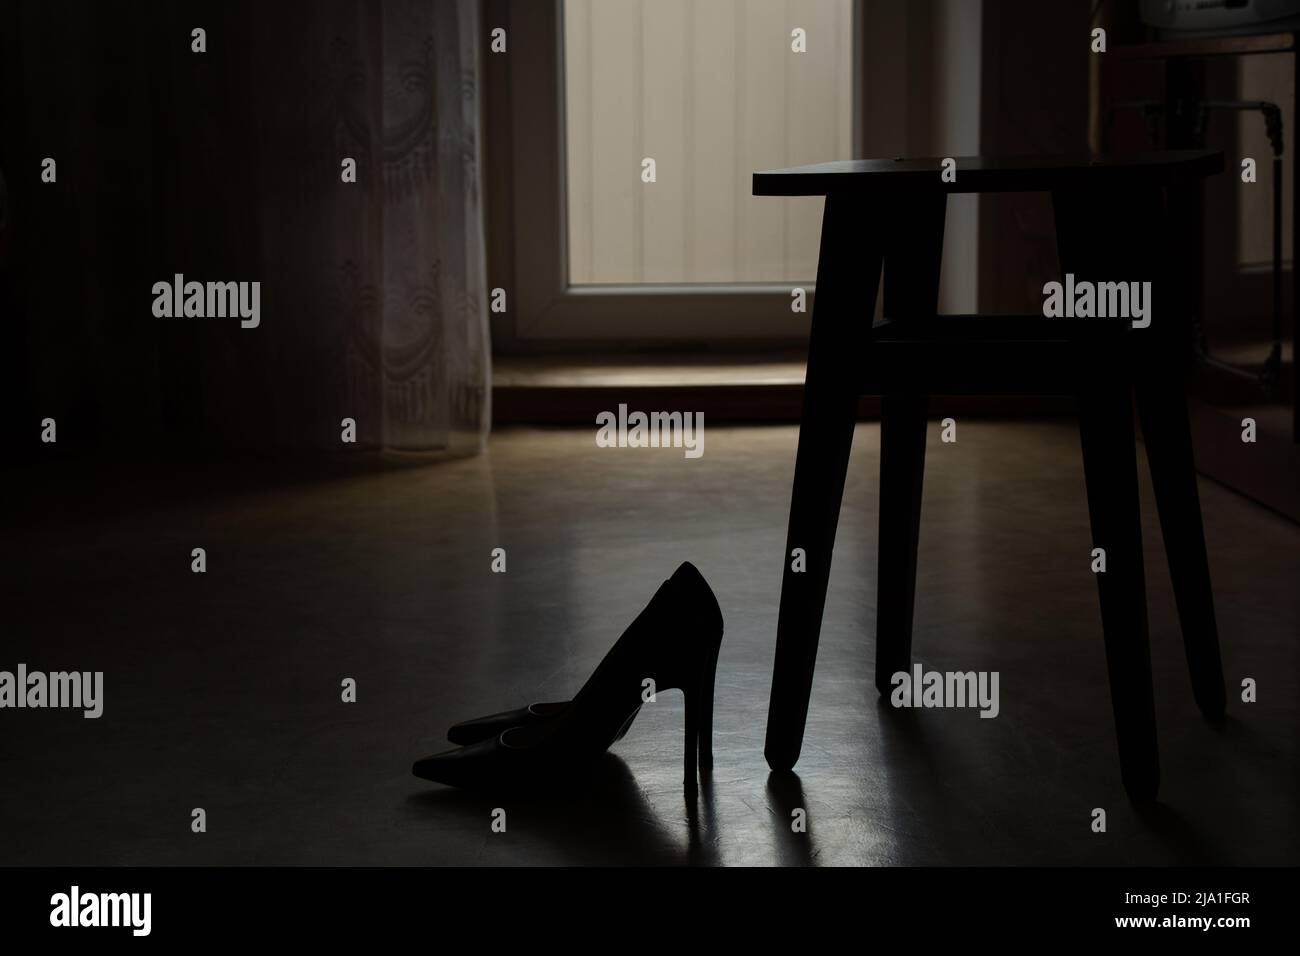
[455,768]
[430,768]
[482,764]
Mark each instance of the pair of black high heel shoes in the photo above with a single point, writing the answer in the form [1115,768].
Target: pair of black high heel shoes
[673,642]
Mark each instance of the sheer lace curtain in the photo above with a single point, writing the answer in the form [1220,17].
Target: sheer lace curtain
[395,336]
[434,339]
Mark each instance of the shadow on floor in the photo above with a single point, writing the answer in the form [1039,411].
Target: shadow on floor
[601,818]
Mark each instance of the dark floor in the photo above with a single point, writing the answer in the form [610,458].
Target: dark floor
[222,690]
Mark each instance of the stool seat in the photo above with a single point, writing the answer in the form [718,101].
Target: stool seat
[978,174]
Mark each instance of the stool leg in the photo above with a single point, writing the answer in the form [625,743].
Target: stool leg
[913,264]
[825,437]
[1110,468]
[1167,434]
[1162,407]
[848,275]
[902,468]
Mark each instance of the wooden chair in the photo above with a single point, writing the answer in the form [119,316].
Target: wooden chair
[1113,225]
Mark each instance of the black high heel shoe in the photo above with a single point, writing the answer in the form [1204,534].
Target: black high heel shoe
[674,641]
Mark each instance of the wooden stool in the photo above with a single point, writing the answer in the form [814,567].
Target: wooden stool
[1112,225]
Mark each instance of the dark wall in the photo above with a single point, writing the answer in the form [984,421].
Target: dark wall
[175,161]
[1034,101]
[112,92]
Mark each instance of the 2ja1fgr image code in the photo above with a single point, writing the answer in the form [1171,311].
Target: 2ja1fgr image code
[1179,898]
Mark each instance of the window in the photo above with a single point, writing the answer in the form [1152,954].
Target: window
[710,91]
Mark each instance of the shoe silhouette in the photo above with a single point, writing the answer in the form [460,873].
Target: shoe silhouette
[674,642]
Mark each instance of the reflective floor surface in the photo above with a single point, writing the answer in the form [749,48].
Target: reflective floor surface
[223,689]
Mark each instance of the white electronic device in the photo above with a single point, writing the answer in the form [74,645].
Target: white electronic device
[1207,18]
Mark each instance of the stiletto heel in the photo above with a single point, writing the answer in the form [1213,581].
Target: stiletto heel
[692,741]
[705,745]
[673,642]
